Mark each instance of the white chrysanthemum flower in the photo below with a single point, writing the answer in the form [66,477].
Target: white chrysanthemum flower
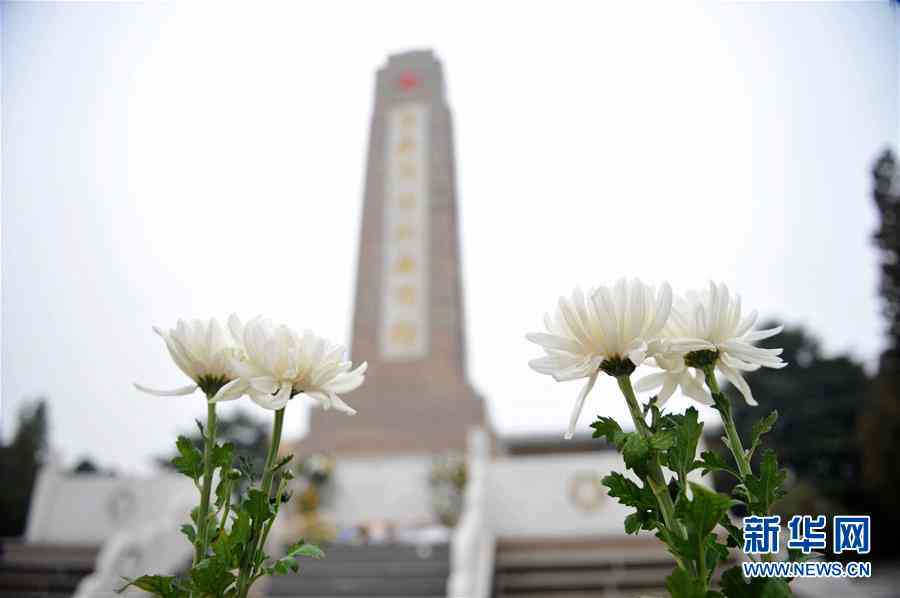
[674,375]
[611,326]
[203,350]
[711,320]
[279,364]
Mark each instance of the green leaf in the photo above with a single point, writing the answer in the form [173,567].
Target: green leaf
[795,555]
[766,487]
[222,548]
[284,461]
[240,529]
[230,547]
[303,548]
[686,429]
[678,546]
[711,461]
[735,534]
[633,523]
[223,492]
[288,562]
[636,452]
[733,586]
[625,490]
[630,494]
[283,566]
[257,506]
[715,553]
[662,441]
[164,586]
[682,585]
[188,530]
[759,428]
[607,427]
[212,576]
[705,509]
[223,455]
[245,466]
[189,460]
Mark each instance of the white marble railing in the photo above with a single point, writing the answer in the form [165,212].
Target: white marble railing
[473,542]
[157,547]
[134,521]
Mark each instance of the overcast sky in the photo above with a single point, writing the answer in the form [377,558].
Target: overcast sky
[162,163]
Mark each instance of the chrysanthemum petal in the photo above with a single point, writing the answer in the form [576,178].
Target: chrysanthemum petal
[574,372]
[551,341]
[650,382]
[738,364]
[278,362]
[751,354]
[264,384]
[759,335]
[180,360]
[746,324]
[670,384]
[663,310]
[283,396]
[236,327]
[738,381]
[638,355]
[175,392]
[686,345]
[347,383]
[579,405]
[692,387]
[231,391]
[340,405]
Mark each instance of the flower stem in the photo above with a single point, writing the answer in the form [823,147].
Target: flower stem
[203,518]
[247,575]
[655,479]
[701,562]
[723,405]
[273,452]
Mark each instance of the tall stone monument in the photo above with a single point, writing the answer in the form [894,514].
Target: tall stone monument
[408,321]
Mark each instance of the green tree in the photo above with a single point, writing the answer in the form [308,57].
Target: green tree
[880,424]
[20,462]
[249,436]
[819,400]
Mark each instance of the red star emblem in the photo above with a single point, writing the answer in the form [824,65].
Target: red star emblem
[408,80]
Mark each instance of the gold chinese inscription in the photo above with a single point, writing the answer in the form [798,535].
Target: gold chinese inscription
[406,145]
[403,333]
[407,170]
[405,265]
[403,232]
[404,327]
[406,294]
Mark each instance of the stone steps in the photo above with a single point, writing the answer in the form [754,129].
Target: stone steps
[392,571]
[620,567]
[44,570]
[552,568]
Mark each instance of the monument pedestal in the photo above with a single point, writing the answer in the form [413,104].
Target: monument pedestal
[408,316]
